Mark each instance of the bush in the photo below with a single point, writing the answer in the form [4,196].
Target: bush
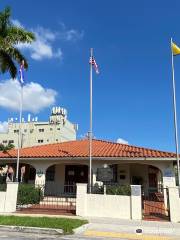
[29,194]
[2,179]
[3,187]
[96,189]
[118,190]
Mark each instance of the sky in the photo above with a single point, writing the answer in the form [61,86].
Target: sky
[132,95]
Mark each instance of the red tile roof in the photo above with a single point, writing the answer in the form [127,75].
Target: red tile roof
[80,148]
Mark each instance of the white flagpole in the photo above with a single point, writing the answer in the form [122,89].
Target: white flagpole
[20,132]
[175,114]
[90,130]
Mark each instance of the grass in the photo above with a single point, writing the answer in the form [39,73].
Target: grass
[66,224]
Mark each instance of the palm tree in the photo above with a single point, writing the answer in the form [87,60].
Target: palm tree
[10,36]
[5,148]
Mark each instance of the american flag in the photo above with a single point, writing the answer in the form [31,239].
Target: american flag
[21,73]
[92,61]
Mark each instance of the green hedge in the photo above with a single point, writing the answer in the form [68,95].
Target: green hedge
[29,194]
[3,187]
[118,190]
[2,179]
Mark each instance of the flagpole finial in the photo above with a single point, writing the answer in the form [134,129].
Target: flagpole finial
[22,62]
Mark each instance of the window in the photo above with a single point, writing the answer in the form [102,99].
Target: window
[31,130]
[41,130]
[25,130]
[50,173]
[56,140]
[16,131]
[58,128]
[11,141]
[4,141]
[40,140]
[51,129]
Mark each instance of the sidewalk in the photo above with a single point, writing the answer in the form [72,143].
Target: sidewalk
[116,228]
[111,228]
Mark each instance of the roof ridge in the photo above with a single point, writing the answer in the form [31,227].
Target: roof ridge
[124,144]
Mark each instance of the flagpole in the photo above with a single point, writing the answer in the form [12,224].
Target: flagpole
[90,129]
[175,115]
[20,121]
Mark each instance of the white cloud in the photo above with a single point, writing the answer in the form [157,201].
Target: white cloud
[71,35]
[43,46]
[3,127]
[35,96]
[122,141]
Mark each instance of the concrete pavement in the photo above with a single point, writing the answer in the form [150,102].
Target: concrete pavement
[128,229]
[106,228]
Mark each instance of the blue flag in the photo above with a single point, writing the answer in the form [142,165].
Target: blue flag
[21,74]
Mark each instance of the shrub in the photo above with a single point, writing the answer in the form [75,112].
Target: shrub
[2,179]
[118,190]
[3,187]
[29,194]
[96,189]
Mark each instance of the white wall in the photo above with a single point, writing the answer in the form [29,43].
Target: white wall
[108,206]
[60,176]
[174,204]
[113,206]
[8,199]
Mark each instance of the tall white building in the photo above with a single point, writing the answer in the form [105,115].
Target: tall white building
[57,129]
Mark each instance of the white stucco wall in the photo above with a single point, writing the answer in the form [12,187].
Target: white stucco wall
[60,176]
[108,206]
[8,199]
[113,206]
[174,204]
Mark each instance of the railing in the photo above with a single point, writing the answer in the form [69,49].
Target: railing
[48,197]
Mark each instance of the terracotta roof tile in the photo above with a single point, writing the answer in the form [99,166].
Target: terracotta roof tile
[80,148]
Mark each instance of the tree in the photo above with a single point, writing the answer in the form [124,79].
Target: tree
[10,36]
[5,148]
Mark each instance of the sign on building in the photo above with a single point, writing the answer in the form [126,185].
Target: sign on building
[104,174]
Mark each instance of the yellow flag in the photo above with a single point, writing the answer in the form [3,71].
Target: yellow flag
[175,49]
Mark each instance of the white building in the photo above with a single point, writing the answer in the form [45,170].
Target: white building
[57,129]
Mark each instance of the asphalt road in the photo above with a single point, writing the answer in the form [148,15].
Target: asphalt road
[27,236]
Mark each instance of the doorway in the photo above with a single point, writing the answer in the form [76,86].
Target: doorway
[76,174]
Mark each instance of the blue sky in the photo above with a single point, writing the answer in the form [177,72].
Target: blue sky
[131,41]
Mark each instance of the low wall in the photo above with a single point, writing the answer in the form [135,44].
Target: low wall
[108,206]
[8,199]
[174,204]
[113,206]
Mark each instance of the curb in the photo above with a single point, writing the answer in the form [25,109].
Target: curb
[38,230]
[81,229]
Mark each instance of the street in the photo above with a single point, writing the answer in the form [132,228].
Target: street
[28,236]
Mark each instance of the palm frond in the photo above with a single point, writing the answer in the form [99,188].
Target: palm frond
[17,35]
[4,20]
[10,36]
[15,54]
[7,64]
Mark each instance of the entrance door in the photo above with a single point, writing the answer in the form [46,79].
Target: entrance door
[76,174]
[152,180]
